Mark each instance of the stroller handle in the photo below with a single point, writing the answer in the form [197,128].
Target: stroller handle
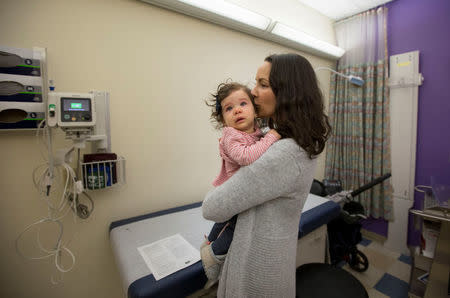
[370,184]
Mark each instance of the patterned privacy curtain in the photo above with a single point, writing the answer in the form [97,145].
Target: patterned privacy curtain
[359,149]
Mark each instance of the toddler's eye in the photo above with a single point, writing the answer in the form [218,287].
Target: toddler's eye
[228,109]
[243,103]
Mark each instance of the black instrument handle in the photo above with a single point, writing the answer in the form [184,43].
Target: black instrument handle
[370,184]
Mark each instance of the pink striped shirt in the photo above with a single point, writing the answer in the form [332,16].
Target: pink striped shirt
[238,148]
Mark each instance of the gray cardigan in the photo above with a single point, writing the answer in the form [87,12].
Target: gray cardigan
[269,196]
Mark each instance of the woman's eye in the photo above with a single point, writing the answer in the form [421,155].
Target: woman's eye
[262,85]
[243,103]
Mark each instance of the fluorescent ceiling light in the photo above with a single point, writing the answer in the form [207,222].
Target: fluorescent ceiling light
[216,11]
[232,11]
[307,40]
[235,17]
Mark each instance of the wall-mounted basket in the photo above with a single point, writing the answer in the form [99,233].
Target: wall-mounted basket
[102,171]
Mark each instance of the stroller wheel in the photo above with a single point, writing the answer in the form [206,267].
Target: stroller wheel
[358,261]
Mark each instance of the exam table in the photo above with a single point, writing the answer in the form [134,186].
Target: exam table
[128,234]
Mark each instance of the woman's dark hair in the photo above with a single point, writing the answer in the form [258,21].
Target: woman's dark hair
[299,111]
[223,91]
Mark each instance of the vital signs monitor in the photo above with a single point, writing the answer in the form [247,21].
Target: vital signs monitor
[71,110]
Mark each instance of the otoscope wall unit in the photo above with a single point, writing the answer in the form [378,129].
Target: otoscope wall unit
[22,88]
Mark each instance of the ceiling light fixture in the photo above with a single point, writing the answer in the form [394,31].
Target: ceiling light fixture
[306,40]
[216,11]
[241,19]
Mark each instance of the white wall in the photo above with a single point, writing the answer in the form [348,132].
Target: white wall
[158,66]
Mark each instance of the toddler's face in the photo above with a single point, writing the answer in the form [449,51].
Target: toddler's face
[238,111]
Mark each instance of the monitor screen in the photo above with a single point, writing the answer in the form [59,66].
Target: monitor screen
[76,104]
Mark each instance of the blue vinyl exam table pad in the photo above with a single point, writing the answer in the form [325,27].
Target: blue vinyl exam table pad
[128,234]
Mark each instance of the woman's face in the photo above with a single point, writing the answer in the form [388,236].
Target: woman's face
[264,97]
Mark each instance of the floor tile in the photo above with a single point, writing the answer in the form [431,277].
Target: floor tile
[375,294]
[400,270]
[380,248]
[392,286]
[379,259]
[388,272]
[365,242]
[368,278]
[405,259]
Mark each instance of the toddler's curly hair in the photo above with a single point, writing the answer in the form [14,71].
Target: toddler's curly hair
[223,91]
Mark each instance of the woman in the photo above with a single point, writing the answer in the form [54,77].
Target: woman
[269,194]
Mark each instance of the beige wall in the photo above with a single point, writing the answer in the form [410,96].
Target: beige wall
[158,67]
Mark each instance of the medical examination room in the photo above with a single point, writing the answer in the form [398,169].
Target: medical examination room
[224,148]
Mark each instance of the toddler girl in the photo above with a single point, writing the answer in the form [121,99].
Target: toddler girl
[242,143]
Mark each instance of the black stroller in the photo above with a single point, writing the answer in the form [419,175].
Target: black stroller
[344,232]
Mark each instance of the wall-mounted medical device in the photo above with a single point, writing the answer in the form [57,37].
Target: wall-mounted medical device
[71,110]
[404,71]
[84,118]
[21,88]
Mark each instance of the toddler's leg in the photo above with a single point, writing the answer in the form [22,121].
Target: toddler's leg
[215,231]
[214,255]
[221,245]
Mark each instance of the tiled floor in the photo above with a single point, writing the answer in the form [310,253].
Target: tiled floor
[388,272]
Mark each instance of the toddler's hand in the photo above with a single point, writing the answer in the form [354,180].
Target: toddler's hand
[275,133]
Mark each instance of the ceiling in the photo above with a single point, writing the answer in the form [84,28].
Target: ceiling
[340,9]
